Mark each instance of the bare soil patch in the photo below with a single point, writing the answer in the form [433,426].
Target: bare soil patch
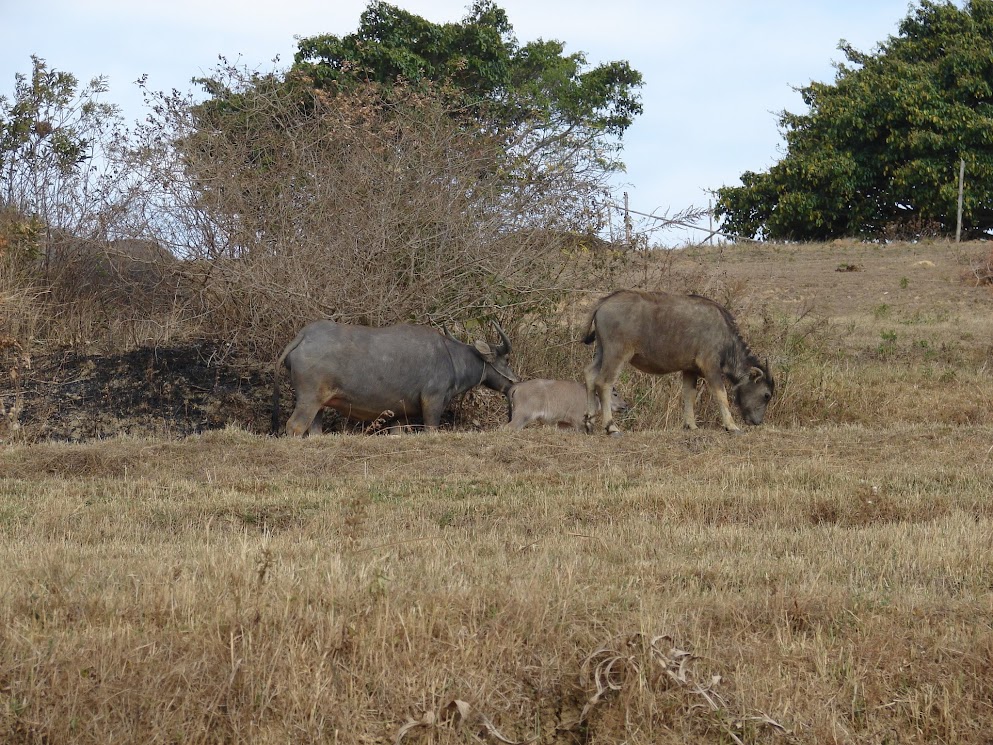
[165,391]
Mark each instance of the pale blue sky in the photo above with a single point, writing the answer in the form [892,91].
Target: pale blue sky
[716,71]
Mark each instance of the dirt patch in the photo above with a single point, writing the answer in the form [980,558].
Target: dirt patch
[151,391]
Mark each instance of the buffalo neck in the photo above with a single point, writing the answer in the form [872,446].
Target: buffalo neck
[738,359]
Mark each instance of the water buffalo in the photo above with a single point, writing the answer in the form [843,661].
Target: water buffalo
[559,403]
[363,372]
[661,333]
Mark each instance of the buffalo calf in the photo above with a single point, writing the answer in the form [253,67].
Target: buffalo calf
[560,403]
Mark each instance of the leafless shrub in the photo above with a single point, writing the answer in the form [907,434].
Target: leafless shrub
[639,663]
[912,228]
[365,207]
[70,270]
[982,269]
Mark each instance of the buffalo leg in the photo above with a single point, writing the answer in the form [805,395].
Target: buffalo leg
[716,384]
[516,423]
[304,415]
[604,385]
[606,410]
[431,411]
[317,426]
[591,374]
[689,399]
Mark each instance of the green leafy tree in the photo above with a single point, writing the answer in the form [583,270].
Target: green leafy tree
[541,99]
[56,168]
[878,151]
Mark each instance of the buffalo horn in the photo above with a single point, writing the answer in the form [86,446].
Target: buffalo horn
[505,344]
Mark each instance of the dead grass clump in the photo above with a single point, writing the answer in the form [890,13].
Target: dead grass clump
[85,463]
[622,670]
[14,361]
[981,270]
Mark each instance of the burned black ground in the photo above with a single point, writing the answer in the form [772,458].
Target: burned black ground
[171,391]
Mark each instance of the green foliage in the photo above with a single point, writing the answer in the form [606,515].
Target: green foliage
[51,130]
[479,63]
[45,120]
[392,43]
[887,347]
[879,149]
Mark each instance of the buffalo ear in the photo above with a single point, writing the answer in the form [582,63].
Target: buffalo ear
[484,349]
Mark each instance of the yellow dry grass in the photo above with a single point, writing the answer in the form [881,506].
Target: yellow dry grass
[825,578]
[232,588]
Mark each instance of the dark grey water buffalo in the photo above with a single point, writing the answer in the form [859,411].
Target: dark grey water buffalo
[364,372]
[559,403]
[660,333]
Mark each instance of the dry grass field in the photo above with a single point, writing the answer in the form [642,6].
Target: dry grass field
[824,578]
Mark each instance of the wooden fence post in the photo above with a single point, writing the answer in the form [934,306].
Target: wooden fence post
[958,224]
[627,222]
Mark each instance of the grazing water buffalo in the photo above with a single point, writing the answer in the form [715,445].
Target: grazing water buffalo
[660,333]
[559,403]
[364,372]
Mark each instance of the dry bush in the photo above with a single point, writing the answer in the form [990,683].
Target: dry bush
[94,295]
[66,276]
[982,269]
[912,229]
[365,207]
[21,302]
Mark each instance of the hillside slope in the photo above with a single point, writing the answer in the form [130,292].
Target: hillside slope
[839,315]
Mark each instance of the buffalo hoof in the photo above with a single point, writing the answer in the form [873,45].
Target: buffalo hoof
[614,433]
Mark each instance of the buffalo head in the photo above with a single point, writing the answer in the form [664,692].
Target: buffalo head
[497,373]
[752,394]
